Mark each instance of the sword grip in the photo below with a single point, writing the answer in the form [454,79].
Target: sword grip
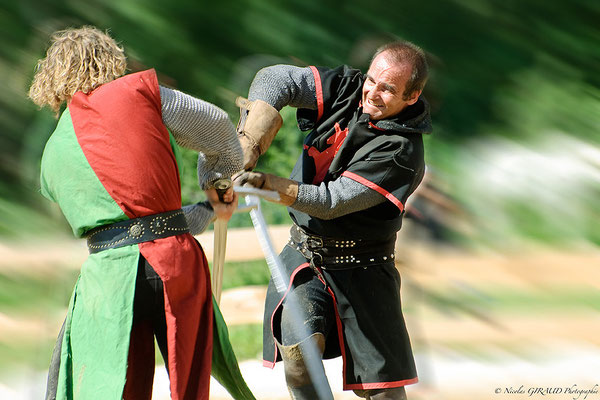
[221,185]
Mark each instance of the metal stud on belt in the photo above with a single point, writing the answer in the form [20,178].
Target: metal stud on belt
[136,230]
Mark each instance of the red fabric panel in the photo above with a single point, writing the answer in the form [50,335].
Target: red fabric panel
[119,127]
[323,159]
[188,306]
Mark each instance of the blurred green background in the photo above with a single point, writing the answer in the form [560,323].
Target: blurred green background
[515,93]
[513,163]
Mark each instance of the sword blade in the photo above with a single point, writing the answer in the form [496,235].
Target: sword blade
[309,348]
[266,244]
[220,244]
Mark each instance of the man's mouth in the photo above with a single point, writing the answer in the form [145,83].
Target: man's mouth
[370,102]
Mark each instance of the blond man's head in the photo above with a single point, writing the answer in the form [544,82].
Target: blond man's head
[78,59]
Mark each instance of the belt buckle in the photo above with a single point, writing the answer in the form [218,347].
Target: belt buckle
[314,242]
[317,259]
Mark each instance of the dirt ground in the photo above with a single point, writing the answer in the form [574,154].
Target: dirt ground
[472,349]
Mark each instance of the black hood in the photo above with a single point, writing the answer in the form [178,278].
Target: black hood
[413,119]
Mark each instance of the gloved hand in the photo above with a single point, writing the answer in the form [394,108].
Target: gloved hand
[259,123]
[287,188]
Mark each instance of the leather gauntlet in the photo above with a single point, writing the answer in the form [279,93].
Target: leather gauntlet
[259,123]
[287,188]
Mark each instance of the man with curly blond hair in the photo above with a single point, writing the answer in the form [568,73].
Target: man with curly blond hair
[111,165]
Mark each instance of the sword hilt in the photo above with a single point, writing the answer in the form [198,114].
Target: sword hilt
[221,185]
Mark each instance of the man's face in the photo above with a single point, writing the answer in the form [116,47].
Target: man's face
[384,87]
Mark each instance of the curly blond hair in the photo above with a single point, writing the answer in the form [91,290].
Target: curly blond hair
[78,59]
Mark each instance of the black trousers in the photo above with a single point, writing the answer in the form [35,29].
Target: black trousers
[149,304]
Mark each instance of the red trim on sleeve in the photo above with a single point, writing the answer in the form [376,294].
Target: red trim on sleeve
[319,88]
[375,187]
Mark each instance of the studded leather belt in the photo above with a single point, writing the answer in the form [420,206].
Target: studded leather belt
[331,253]
[137,230]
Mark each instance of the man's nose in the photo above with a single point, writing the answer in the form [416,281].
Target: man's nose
[375,92]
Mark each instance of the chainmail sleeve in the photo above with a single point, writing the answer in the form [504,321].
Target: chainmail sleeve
[203,127]
[284,85]
[336,198]
[198,216]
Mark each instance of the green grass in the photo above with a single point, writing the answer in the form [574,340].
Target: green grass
[480,302]
[246,341]
[30,214]
[27,293]
[245,273]
[27,353]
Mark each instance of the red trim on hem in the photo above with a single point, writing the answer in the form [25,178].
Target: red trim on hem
[340,332]
[375,187]
[300,267]
[319,88]
[381,385]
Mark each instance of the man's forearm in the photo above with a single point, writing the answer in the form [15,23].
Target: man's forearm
[335,199]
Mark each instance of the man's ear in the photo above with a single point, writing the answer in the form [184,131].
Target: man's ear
[414,97]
